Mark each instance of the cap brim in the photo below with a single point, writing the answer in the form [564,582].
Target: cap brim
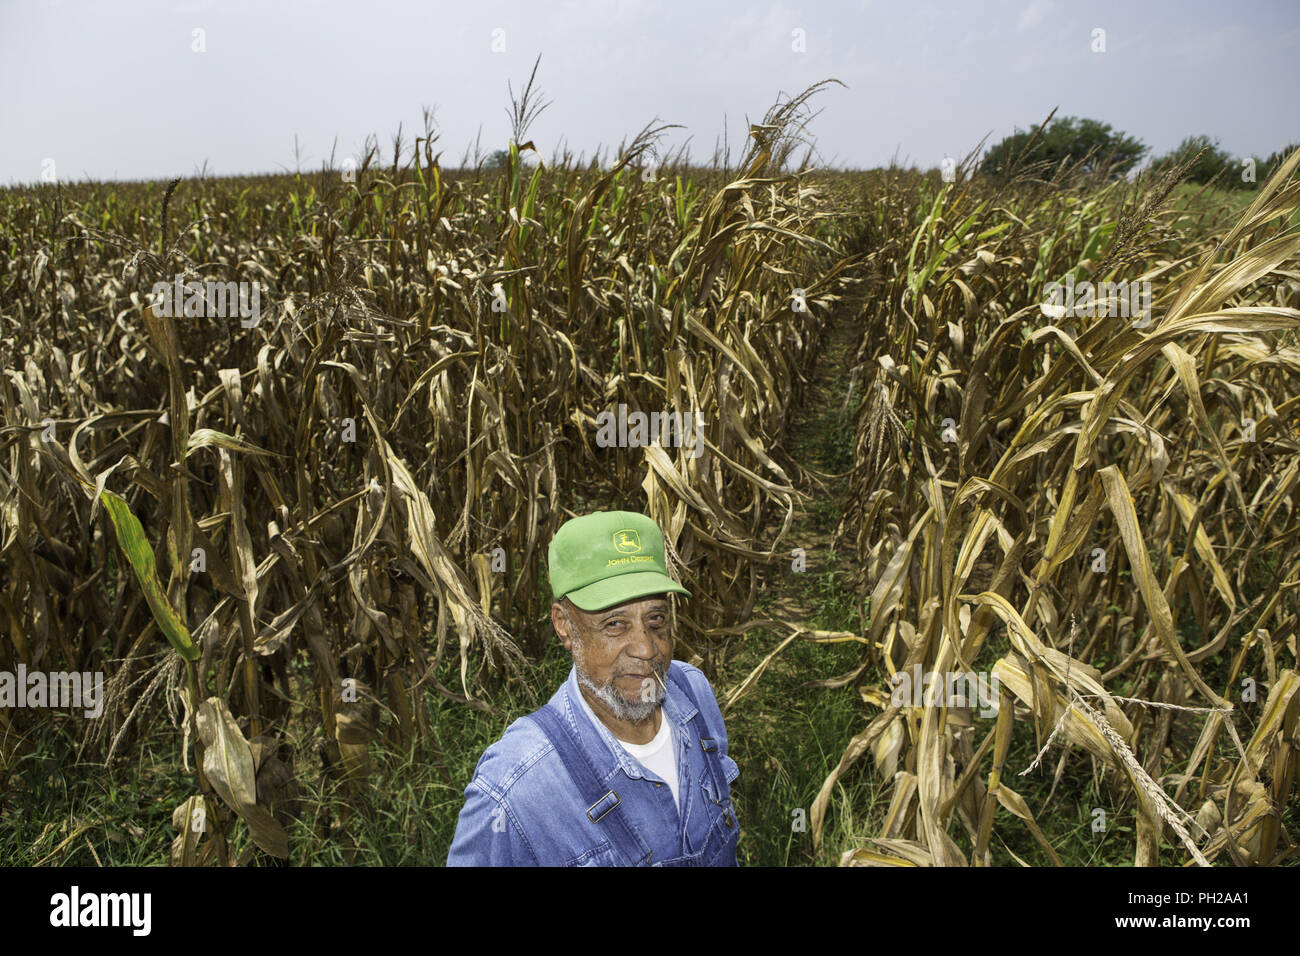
[623,588]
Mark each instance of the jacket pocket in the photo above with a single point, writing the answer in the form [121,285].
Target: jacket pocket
[730,771]
[602,855]
[715,799]
[730,768]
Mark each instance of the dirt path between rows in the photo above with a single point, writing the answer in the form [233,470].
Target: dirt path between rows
[820,442]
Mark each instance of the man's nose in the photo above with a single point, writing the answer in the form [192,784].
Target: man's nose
[642,644]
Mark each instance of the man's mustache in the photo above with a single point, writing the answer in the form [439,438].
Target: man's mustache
[658,670]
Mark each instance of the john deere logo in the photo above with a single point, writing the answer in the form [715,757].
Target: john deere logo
[627,541]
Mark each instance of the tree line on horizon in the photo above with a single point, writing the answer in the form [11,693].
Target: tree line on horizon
[1094,146]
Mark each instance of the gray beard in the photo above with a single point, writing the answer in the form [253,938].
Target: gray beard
[634,713]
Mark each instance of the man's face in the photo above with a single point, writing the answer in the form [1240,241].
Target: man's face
[620,653]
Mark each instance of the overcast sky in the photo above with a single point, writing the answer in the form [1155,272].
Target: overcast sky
[116,88]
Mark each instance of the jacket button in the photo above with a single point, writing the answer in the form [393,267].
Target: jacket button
[658,785]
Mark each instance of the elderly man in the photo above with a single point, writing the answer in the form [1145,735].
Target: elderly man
[627,764]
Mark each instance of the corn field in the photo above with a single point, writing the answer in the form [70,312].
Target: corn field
[321,519]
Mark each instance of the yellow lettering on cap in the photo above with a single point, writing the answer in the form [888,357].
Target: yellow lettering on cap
[639,559]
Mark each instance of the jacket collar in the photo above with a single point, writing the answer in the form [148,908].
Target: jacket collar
[600,745]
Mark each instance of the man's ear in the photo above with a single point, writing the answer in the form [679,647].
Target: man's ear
[561,625]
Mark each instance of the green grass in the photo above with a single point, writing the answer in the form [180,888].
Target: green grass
[122,812]
[787,738]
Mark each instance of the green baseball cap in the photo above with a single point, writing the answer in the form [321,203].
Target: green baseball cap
[607,558]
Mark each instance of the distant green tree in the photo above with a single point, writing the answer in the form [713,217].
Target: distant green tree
[1233,171]
[1067,139]
[497,160]
[1212,162]
[1269,166]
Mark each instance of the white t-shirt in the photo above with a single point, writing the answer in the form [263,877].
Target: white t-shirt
[659,756]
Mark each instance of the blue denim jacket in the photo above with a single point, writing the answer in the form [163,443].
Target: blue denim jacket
[523,809]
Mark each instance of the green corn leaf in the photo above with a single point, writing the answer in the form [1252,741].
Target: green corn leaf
[131,538]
